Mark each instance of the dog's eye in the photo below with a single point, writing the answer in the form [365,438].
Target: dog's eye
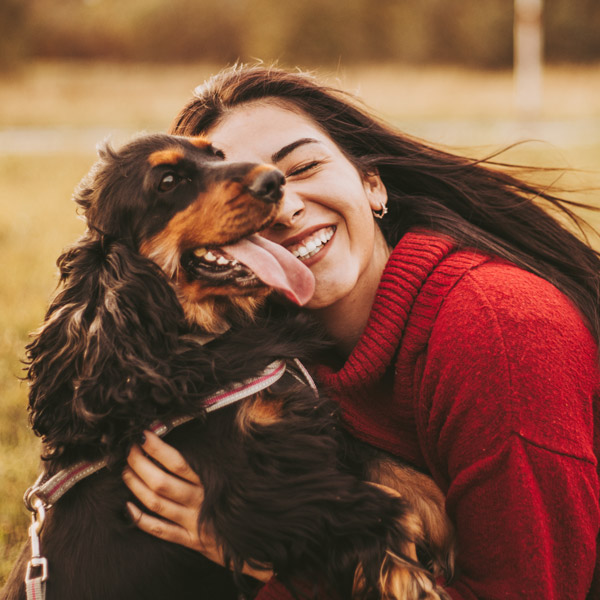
[168,182]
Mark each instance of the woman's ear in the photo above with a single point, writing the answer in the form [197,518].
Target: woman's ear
[375,189]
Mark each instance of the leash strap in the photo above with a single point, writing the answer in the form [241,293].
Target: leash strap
[50,490]
[266,379]
[307,377]
[46,491]
[36,588]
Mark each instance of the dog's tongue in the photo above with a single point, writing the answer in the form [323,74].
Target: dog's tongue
[275,266]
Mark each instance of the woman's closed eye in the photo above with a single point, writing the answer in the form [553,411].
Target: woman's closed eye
[304,168]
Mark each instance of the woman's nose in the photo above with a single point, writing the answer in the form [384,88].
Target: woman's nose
[292,209]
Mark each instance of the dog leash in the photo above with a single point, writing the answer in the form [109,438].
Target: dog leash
[46,491]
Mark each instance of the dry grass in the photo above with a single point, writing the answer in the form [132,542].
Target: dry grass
[75,95]
[147,96]
[37,217]
[453,93]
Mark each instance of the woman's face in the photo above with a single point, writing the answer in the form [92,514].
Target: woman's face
[326,216]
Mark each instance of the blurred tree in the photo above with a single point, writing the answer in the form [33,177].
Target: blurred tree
[468,32]
[191,30]
[572,30]
[81,29]
[482,32]
[324,28]
[14,31]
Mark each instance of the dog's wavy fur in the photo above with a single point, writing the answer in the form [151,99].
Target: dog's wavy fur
[121,346]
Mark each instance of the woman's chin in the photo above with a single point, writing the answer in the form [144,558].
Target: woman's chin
[326,296]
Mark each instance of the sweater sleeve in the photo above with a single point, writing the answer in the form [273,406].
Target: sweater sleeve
[506,423]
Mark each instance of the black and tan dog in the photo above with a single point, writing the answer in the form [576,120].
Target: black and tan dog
[171,258]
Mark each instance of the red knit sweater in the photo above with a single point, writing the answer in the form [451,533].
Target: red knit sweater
[486,377]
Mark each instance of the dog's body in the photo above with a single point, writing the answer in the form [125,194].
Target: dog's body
[124,343]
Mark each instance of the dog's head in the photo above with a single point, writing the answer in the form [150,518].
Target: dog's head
[171,247]
[179,203]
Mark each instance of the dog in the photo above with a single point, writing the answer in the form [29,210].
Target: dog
[161,304]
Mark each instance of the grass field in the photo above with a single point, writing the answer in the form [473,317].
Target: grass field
[37,216]
[37,219]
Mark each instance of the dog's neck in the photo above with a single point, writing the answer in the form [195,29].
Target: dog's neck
[218,314]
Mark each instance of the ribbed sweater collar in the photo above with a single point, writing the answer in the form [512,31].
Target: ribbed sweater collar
[408,267]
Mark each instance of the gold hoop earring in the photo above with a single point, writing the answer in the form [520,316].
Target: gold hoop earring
[379,214]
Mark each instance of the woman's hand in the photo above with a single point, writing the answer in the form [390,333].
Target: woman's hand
[175,493]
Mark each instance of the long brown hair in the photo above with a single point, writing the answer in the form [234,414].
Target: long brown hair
[473,201]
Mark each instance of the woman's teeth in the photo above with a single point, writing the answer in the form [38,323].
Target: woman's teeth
[313,244]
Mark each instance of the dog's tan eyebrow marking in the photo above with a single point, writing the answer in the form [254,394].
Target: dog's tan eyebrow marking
[165,157]
[200,141]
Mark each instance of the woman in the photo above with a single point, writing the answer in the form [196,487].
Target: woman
[466,323]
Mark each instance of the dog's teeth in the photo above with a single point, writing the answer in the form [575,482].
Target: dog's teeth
[222,261]
[210,257]
[200,252]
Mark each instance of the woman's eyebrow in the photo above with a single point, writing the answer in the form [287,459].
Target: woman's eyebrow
[281,154]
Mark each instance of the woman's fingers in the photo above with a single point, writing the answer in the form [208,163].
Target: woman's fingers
[177,523]
[182,491]
[180,514]
[175,494]
[175,499]
[164,530]
[168,457]
[171,532]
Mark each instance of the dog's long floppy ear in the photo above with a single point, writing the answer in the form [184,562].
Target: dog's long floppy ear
[98,367]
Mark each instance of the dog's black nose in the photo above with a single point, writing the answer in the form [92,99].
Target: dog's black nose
[268,186]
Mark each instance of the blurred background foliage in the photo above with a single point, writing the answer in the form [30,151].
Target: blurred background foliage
[475,33]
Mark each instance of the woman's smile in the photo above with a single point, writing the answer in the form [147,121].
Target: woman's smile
[311,244]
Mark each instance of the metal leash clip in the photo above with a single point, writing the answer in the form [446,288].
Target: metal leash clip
[35,584]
